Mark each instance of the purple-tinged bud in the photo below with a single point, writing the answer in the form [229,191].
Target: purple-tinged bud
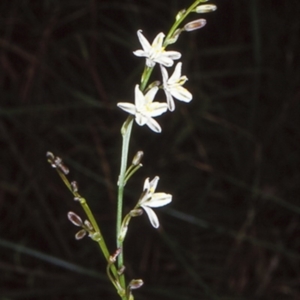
[135,284]
[75,219]
[114,256]
[80,234]
[194,25]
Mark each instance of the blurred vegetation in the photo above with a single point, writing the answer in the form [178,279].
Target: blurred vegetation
[230,158]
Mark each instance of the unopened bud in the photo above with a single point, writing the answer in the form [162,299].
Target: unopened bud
[121,270]
[153,84]
[60,165]
[75,219]
[137,158]
[50,157]
[180,14]
[135,284]
[74,187]
[206,8]
[194,25]
[80,234]
[136,212]
[88,225]
[173,39]
[113,257]
[56,162]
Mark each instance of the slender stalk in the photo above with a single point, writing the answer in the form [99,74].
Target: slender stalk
[145,77]
[126,133]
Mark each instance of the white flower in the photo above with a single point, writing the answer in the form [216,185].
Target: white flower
[151,199]
[156,53]
[173,86]
[144,108]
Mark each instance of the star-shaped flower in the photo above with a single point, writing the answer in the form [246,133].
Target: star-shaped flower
[173,86]
[144,108]
[156,53]
[151,199]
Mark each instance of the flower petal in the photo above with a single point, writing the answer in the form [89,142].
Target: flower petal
[149,96]
[141,119]
[144,42]
[173,54]
[153,125]
[182,94]
[139,98]
[140,53]
[152,216]
[128,107]
[170,101]
[176,74]
[146,184]
[164,74]
[158,41]
[165,60]
[157,108]
[153,184]
[158,200]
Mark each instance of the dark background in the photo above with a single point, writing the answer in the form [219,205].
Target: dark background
[230,157]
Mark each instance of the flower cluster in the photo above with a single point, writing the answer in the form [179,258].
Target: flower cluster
[145,108]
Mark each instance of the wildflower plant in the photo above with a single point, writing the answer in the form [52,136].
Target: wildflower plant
[144,110]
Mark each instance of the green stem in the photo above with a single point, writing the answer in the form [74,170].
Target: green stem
[126,132]
[98,238]
[145,77]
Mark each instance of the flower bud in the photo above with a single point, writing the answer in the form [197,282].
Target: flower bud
[136,212]
[135,284]
[121,270]
[114,256]
[180,14]
[173,39]
[74,187]
[206,8]
[63,168]
[194,25]
[50,157]
[88,225]
[75,219]
[137,158]
[80,234]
